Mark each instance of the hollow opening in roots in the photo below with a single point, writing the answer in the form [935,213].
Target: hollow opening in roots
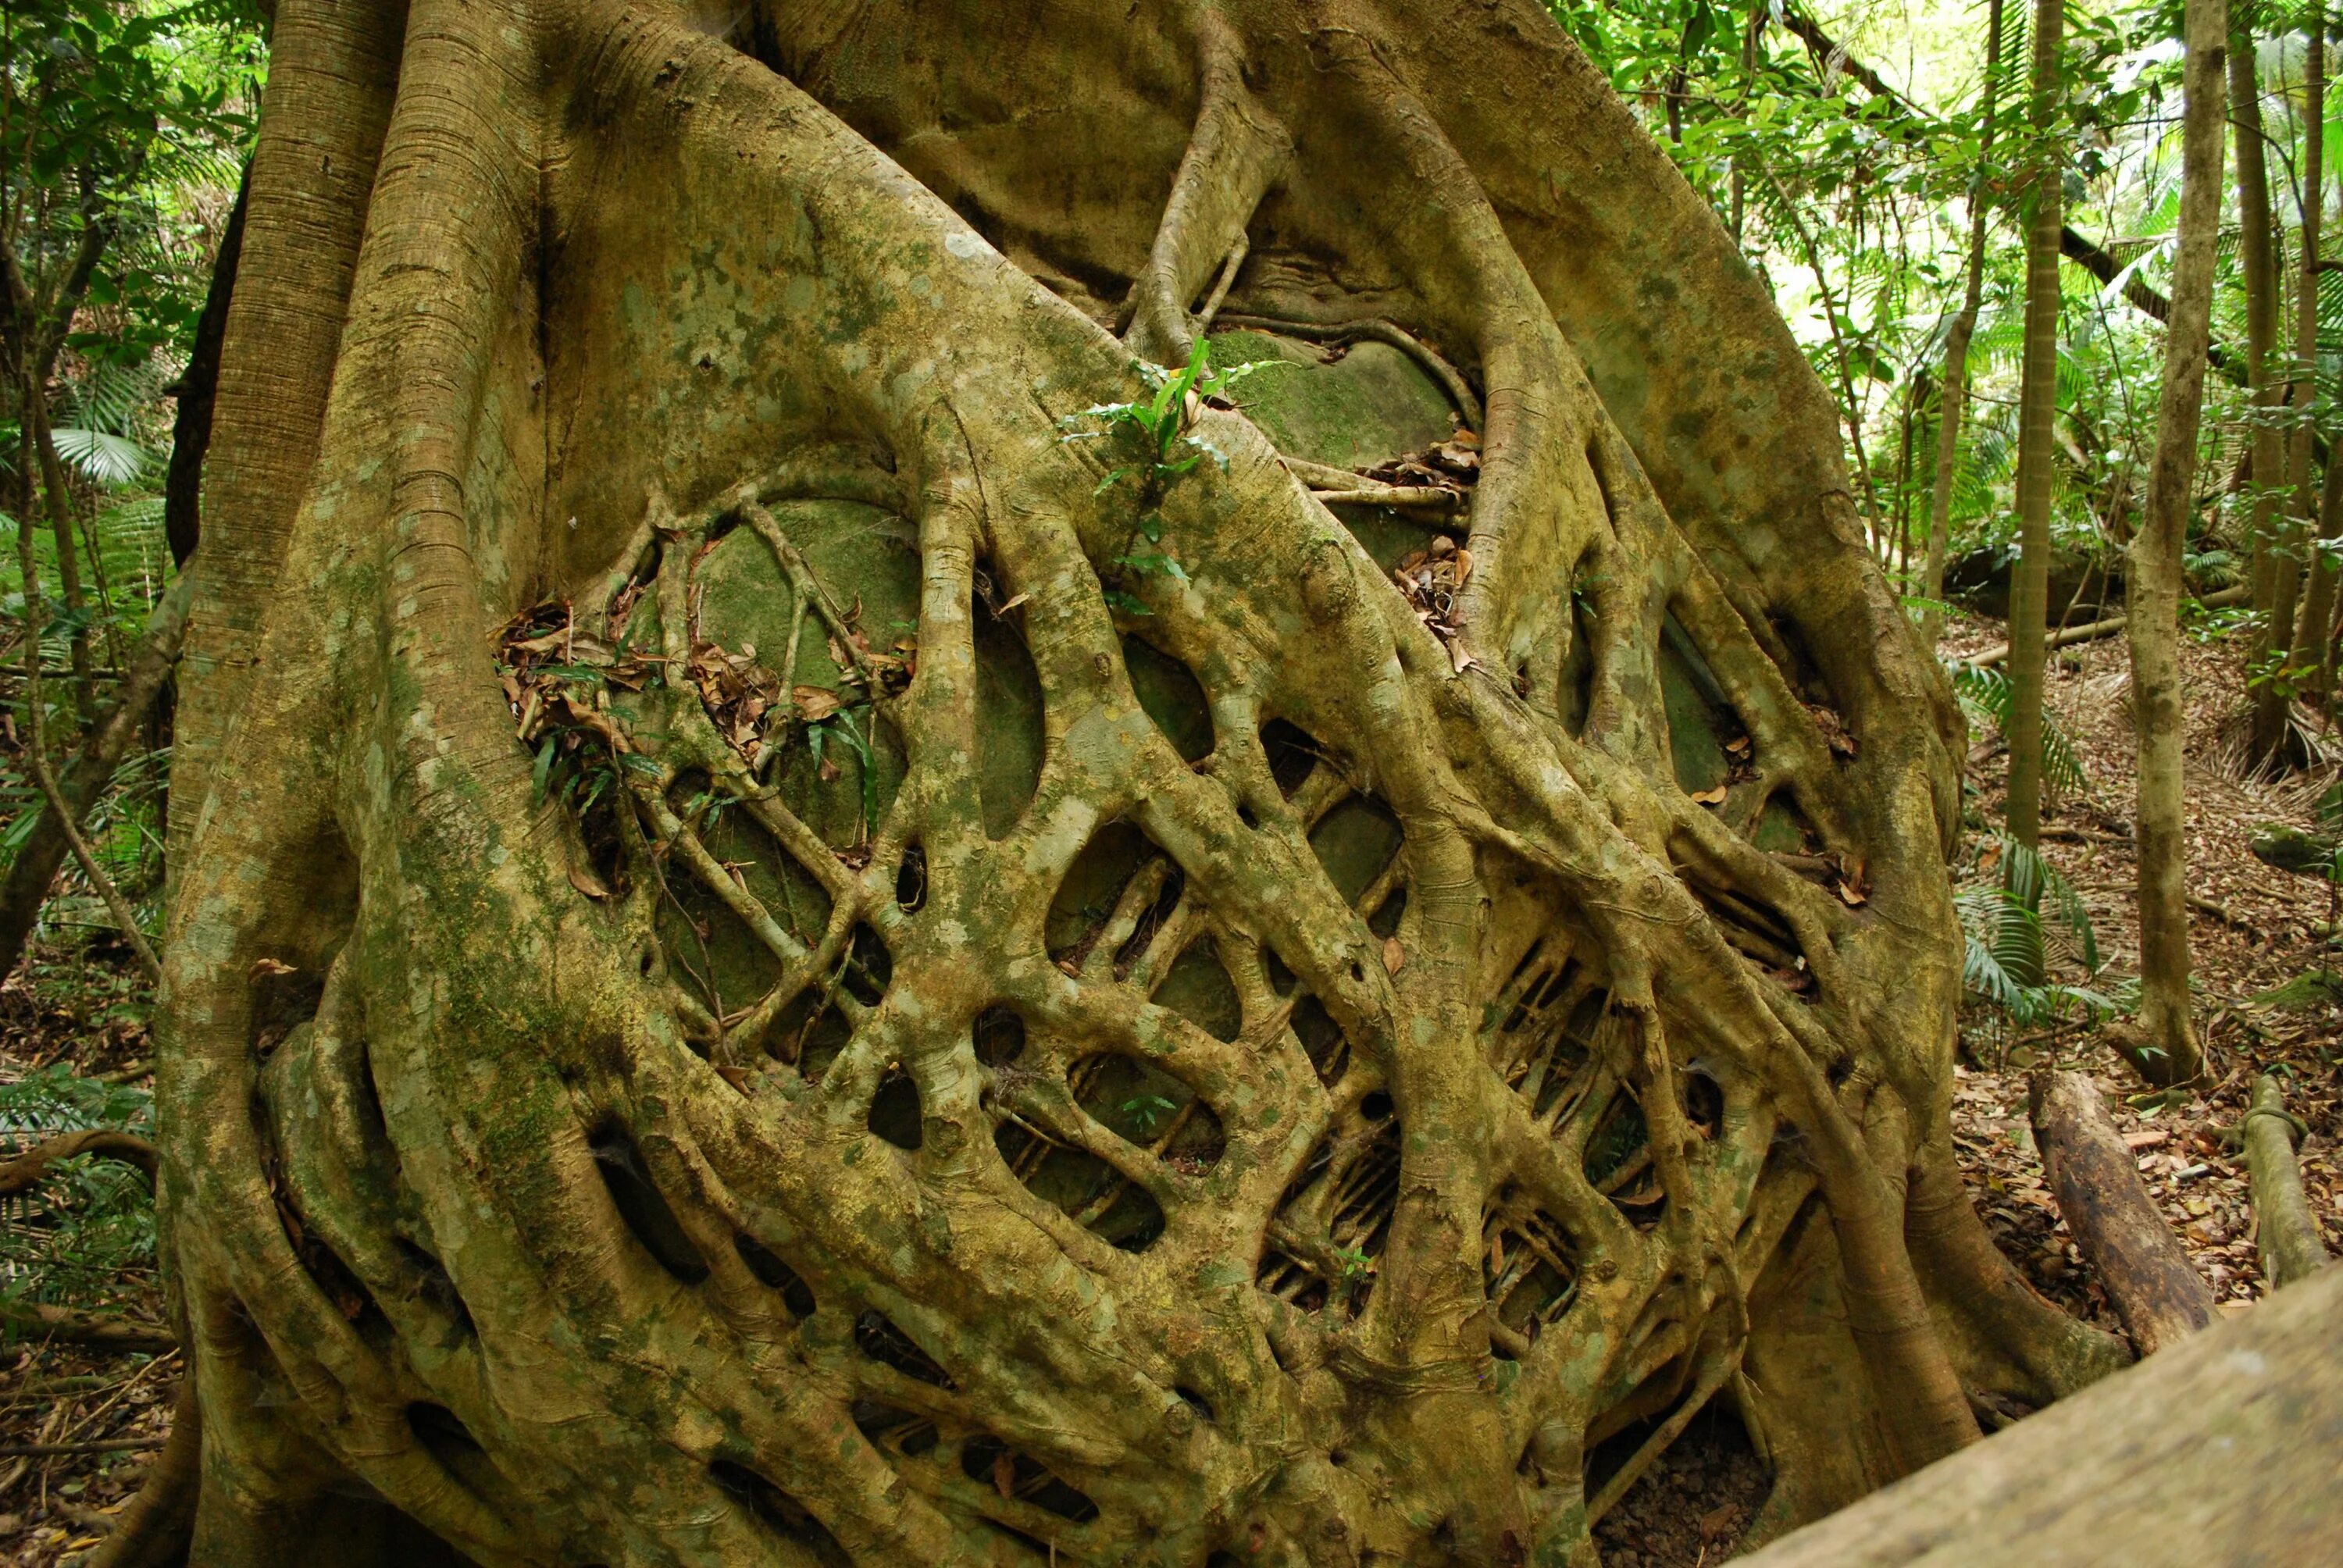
[1197,988]
[1529,1271]
[448,1440]
[892,1430]
[437,1429]
[1574,697]
[1701,719]
[876,1336]
[1009,728]
[809,1031]
[1384,922]
[895,1109]
[911,880]
[1334,1217]
[718,958]
[1704,1102]
[1712,1440]
[436,1287]
[1618,1159]
[1100,1197]
[1086,901]
[867,967]
[1355,842]
[999,1034]
[1293,754]
[284,998]
[641,1206]
[1169,882]
[1783,828]
[1803,674]
[340,1285]
[1171,694]
[1039,1550]
[1013,1473]
[1147,1107]
[779,1512]
[1329,1049]
[775,1275]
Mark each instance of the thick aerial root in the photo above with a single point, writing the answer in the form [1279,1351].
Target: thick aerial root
[1237,153]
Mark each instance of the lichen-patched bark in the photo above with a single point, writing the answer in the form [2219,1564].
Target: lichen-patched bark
[946,1039]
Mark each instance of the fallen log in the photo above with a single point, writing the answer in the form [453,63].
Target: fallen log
[2093,630]
[34,1320]
[2157,1291]
[26,1170]
[2285,1229]
[2220,1450]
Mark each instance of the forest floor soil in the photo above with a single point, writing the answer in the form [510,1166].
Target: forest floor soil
[2259,933]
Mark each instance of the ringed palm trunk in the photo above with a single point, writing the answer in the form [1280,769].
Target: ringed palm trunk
[756,978]
[2169,1052]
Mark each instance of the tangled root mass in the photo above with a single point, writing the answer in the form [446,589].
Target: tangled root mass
[833,919]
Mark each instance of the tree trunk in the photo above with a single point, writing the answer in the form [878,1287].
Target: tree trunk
[25,886]
[2167,1052]
[815,921]
[2278,676]
[2037,410]
[2258,261]
[2315,619]
[1955,385]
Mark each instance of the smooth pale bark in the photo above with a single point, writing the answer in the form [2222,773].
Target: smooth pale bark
[2292,525]
[2155,1289]
[2218,1450]
[2038,409]
[2167,1051]
[1954,381]
[2285,1229]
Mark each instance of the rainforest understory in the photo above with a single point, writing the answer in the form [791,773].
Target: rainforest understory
[1101,785]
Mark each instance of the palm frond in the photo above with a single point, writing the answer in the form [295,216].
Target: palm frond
[1988,697]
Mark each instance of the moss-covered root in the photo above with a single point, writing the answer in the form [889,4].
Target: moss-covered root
[834,938]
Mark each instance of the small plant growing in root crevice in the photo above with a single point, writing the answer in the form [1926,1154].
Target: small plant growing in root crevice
[1155,431]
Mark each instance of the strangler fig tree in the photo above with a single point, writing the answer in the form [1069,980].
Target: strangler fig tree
[997,784]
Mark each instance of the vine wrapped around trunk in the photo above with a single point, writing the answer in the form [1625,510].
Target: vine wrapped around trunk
[1027,991]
